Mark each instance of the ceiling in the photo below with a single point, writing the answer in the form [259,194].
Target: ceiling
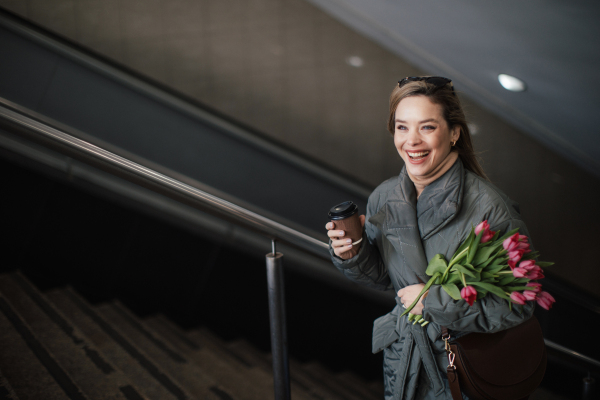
[552,45]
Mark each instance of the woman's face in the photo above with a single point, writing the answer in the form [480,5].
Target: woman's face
[421,135]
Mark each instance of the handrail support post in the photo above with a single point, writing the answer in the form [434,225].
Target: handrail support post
[277,319]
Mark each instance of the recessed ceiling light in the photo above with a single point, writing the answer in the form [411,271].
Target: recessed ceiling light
[511,83]
[355,61]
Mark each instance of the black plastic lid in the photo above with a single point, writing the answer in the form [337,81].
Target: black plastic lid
[343,210]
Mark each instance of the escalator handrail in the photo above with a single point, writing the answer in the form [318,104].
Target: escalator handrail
[178,190]
[139,174]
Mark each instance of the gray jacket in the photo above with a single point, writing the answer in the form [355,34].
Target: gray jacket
[401,235]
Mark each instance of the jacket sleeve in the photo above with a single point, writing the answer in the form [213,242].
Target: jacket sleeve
[367,267]
[488,314]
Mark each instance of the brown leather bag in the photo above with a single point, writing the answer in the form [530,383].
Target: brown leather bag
[506,365]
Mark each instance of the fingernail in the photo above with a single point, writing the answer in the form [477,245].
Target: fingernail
[329,225]
[341,233]
[349,241]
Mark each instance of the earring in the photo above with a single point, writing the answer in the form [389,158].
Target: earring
[454,143]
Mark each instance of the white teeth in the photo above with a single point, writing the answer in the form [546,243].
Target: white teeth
[420,154]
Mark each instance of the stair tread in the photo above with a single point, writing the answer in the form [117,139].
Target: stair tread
[298,377]
[246,354]
[152,382]
[6,390]
[87,367]
[196,381]
[20,365]
[250,383]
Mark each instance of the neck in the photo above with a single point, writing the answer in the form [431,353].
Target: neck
[422,181]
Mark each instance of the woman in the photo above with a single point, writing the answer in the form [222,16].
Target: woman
[429,208]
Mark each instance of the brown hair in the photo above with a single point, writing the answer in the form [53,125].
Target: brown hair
[452,112]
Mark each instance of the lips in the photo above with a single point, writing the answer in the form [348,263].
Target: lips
[417,156]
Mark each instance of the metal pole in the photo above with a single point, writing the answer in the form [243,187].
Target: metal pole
[589,384]
[281,370]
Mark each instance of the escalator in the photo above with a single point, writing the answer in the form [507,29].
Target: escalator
[75,219]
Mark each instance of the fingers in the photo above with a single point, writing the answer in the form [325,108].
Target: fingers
[336,234]
[329,226]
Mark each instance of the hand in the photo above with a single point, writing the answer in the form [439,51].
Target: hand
[340,244]
[409,294]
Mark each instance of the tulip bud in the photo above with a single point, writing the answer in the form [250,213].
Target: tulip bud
[518,298]
[469,294]
[545,300]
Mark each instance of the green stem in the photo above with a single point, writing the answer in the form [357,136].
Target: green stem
[425,288]
[458,257]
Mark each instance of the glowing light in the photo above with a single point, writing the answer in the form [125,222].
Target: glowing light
[355,61]
[511,83]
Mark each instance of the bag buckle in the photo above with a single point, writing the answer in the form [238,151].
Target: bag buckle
[451,355]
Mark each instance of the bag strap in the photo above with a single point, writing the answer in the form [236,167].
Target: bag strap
[451,369]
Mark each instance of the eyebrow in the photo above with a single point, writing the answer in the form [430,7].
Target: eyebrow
[420,122]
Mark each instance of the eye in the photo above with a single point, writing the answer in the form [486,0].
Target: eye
[400,128]
[428,128]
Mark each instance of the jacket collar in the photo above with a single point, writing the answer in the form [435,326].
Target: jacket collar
[438,204]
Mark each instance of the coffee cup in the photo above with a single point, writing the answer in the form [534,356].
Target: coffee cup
[345,218]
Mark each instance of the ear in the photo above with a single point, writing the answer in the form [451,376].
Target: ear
[455,134]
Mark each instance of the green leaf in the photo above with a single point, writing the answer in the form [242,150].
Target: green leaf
[505,280]
[453,278]
[475,271]
[481,293]
[491,288]
[466,271]
[530,256]
[452,290]
[462,251]
[518,288]
[544,263]
[486,253]
[474,246]
[437,264]
[487,275]
[522,280]
[493,269]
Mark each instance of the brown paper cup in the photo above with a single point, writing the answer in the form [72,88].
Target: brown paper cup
[353,229]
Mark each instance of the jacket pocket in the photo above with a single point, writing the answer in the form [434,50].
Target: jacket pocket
[384,331]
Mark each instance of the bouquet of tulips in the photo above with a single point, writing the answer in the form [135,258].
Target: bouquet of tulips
[487,263]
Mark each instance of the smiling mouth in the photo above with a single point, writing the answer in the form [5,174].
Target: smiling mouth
[416,156]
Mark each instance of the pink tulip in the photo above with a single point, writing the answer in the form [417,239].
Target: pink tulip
[537,287]
[518,298]
[529,295]
[545,300]
[516,242]
[527,264]
[487,234]
[469,294]
[528,269]
[514,257]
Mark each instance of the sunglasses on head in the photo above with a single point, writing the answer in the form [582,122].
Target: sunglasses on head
[437,81]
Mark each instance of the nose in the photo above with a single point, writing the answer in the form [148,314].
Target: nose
[413,138]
